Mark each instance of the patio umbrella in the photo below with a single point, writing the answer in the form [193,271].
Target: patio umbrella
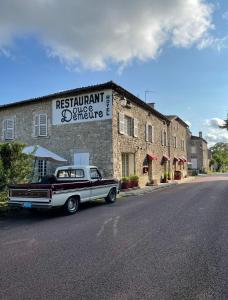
[42,153]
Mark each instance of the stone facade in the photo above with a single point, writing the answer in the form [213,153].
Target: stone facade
[144,146]
[198,153]
[178,145]
[138,146]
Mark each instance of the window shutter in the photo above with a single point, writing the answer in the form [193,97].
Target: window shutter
[8,129]
[43,124]
[4,128]
[146,133]
[121,123]
[152,134]
[36,125]
[136,128]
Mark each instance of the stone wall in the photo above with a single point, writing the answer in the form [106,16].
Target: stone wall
[93,137]
[178,130]
[137,145]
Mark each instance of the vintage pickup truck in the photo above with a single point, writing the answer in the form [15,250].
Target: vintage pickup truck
[70,186]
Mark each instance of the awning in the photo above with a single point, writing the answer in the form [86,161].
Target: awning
[176,158]
[43,153]
[165,158]
[152,157]
[181,160]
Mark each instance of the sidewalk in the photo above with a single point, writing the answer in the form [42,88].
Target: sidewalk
[149,189]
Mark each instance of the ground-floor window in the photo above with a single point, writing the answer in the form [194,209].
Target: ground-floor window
[42,168]
[128,164]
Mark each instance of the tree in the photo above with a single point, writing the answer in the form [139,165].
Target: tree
[225,125]
[15,166]
[220,155]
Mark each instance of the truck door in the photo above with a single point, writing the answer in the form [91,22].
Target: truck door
[98,187]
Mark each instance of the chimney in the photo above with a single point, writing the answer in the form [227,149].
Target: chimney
[200,134]
[152,104]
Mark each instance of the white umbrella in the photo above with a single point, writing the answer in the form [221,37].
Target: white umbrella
[42,153]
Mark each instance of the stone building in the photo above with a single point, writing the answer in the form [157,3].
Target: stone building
[103,125]
[178,145]
[198,153]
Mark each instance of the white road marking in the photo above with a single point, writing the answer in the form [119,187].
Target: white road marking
[103,226]
[115,225]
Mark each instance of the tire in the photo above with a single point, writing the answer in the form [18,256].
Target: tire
[111,198]
[71,206]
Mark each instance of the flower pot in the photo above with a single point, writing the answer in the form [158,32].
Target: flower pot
[124,185]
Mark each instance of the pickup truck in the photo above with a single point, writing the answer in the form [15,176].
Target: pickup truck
[68,187]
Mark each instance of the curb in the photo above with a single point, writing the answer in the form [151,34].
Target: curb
[145,190]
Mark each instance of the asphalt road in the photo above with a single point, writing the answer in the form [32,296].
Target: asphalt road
[169,244]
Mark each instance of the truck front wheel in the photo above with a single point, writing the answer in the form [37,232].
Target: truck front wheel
[71,206]
[111,198]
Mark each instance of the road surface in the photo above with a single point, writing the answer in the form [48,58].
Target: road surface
[169,244]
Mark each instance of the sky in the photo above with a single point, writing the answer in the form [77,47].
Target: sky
[171,52]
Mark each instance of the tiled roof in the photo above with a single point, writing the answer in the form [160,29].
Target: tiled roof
[87,89]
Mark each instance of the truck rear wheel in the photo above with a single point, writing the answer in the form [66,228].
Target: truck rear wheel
[111,198]
[71,206]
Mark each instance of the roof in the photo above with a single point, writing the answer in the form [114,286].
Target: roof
[107,85]
[194,137]
[174,117]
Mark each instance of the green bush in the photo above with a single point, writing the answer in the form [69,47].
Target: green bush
[3,197]
[125,179]
[134,178]
[15,166]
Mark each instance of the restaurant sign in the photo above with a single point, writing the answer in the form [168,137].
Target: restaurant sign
[89,107]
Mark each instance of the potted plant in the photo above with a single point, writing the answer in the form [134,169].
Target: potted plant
[165,178]
[134,180]
[124,183]
[169,175]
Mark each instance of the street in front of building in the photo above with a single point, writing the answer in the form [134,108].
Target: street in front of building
[169,244]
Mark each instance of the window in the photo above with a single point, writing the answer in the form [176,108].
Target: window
[94,174]
[193,149]
[149,133]
[174,142]
[42,168]
[164,141]
[128,125]
[8,129]
[128,164]
[40,125]
[70,173]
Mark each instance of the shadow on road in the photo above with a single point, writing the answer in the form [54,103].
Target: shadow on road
[24,216]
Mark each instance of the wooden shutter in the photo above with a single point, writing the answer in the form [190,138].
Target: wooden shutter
[43,125]
[121,123]
[8,129]
[4,125]
[146,133]
[135,132]
[152,134]
[36,125]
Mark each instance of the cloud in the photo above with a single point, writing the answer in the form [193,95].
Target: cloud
[215,43]
[214,133]
[225,16]
[94,33]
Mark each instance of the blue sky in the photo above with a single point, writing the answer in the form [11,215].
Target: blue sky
[45,47]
